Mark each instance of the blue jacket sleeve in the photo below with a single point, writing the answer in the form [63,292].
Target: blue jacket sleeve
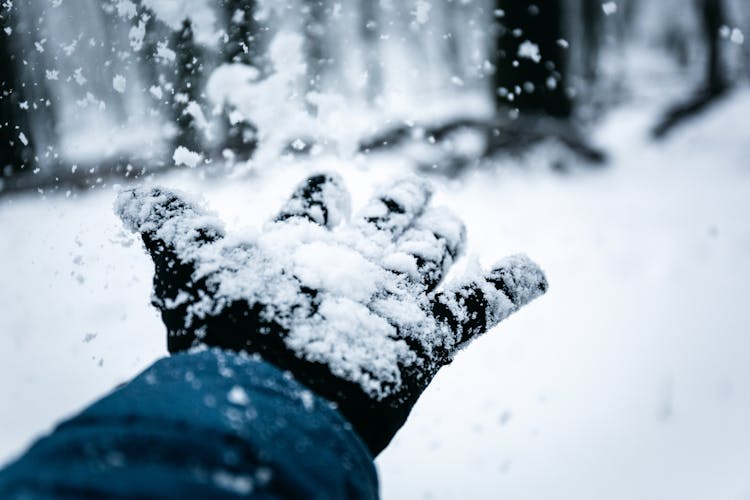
[211,424]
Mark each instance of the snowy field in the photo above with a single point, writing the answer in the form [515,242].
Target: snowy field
[629,379]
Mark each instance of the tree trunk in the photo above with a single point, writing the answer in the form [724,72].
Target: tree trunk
[16,138]
[530,60]
[244,46]
[187,87]
[715,83]
[315,44]
[243,33]
[712,15]
[591,15]
[369,28]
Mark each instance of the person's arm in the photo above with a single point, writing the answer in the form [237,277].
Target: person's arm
[207,424]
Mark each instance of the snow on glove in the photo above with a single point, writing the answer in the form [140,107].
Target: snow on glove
[352,312]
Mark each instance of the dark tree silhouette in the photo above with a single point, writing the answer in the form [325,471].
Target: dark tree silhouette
[243,32]
[16,147]
[591,31]
[154,73]
[531,84]
[369,32]
[531,76]
[315,18]
[187,88]
[245,45]
[715,81]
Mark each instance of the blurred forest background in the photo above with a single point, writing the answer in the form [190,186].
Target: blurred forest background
[93,90]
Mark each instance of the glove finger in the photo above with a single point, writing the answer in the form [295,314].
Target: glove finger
[394,209]
[173,230]
[426,250]
[321,199]
[474,306]
[167,220]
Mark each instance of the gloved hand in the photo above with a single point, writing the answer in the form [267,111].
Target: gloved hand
[352,312]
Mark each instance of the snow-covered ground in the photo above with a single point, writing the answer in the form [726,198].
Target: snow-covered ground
[629,379]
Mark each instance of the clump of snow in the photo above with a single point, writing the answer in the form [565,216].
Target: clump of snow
[164,53]
[167,214]
[734,35]
[274,104]
[137,33]
[199,119]
[227,77]
[529,50]
[278,106]
[119,83]
[737,36]
[236,484]
[372,311]
[78,76]
[183,156]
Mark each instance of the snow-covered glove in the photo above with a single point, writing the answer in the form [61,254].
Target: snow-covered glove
[352,312]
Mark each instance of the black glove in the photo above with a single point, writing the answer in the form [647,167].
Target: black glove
[352,312]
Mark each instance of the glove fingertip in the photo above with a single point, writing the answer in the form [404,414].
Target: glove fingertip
[520,278]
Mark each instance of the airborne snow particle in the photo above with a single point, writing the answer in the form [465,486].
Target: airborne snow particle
[239,485]
[609,8]
[164,53]
[156,91]
[78,76]
[529,50]
[118,83]
[737,36]
[193,109]
[137,34]
[126,9]
[23,139]
[422,12]
[308,401]
[238,396]
[183,156]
